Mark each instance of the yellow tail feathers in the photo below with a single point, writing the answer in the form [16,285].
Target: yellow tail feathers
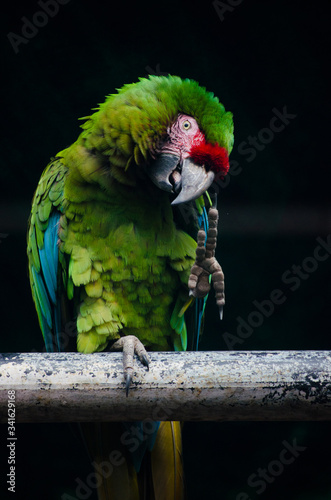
[161,473]
[167,463]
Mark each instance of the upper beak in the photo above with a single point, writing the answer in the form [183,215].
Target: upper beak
[185,177]
[195,180]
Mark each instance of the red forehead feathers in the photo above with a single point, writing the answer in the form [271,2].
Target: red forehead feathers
[212,156]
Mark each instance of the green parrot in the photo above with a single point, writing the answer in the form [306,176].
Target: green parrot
[114,247]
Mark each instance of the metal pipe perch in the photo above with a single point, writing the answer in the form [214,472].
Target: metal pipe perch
[258,385]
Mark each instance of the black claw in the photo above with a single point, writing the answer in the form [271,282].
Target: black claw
[128,380]
[213,197]
[145,361]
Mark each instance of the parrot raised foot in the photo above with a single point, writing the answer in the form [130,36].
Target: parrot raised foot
[130,345]
[206,265]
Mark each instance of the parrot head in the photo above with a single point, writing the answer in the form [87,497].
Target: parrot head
[171,130]
[186,164]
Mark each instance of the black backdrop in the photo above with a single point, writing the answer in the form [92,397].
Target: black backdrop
[263,60]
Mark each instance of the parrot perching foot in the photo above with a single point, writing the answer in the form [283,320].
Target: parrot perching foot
[206,264]
[130,345]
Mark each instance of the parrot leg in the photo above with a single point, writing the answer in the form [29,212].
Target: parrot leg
[130,345]
[206,264]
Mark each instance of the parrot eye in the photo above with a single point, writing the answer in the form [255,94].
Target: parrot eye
[186,125]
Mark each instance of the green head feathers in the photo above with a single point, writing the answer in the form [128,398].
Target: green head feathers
[129,124]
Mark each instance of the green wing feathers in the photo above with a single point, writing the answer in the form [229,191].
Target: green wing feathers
[45,259]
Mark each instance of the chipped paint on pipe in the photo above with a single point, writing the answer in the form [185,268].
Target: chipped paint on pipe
[258,385]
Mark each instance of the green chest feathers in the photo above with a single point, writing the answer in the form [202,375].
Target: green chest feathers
[129,276]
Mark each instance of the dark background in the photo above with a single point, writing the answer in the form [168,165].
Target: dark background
[256,57]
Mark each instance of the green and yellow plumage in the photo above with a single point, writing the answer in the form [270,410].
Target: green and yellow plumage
[122,259]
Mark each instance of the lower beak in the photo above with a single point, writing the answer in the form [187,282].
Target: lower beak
[185,178]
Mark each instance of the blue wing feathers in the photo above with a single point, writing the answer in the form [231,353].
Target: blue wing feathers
[49,255]
[47,274]
[42,297]
[45,285]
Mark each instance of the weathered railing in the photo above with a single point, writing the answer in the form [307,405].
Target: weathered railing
[275,385]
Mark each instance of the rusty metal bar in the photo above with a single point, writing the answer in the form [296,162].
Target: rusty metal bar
[63,387]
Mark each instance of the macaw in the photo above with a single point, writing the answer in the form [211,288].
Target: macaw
[114,246]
